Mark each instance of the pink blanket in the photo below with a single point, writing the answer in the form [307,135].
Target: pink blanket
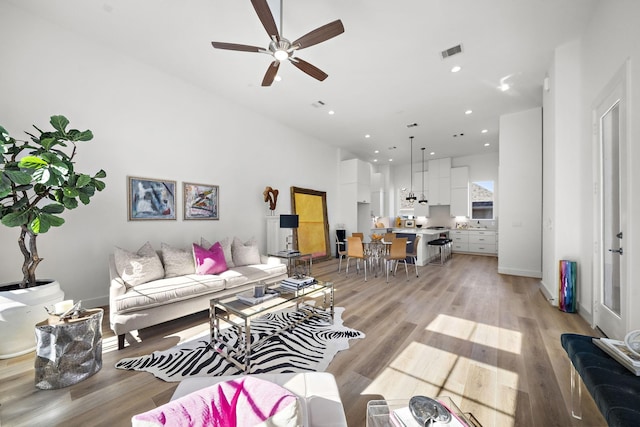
[246,401]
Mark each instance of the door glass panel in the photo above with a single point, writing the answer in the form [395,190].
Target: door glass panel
[610,126]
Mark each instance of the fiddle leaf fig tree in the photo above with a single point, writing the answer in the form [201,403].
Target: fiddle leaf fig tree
[38,182]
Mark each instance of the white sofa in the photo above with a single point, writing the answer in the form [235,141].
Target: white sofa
[317,393]
[134,305]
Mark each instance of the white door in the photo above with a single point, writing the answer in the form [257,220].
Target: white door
[611,293]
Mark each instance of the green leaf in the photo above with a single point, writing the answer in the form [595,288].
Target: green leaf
[83,180]
[4,135]
[52,220]
[38,226]
[70,192]
[47,143]
[86,135]
[53,208]
[59,123]
[101,174]
[69,203]
[15,219]
[99,185]
[19,177]
[32,162]
[84,198]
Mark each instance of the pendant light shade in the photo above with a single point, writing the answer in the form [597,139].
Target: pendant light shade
[411,197]
[423,200]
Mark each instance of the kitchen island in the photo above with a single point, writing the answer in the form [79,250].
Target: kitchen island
[425,252]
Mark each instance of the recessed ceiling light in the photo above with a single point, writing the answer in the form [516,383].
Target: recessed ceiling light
[504,87]
[456,69]
[375,160]
[486,144]
[468,112]
[367,136]
[433,153]
[484,131]
[331,112]
[376,151]
[391,160]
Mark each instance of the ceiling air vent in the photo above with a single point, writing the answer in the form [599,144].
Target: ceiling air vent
[452,51]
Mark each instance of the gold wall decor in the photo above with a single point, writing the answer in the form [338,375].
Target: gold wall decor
[312,234]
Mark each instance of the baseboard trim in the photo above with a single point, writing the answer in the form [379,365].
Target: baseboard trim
[516,272]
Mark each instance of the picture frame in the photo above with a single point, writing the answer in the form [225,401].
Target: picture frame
[409,223]
[201,201]
[312,234]
[150,199]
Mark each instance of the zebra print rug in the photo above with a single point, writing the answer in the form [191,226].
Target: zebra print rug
[310,346]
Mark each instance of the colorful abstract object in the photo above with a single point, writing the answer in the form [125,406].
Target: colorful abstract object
[567,294]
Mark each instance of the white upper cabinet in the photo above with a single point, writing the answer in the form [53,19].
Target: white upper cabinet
[355,171]
[460,191]
[440,181]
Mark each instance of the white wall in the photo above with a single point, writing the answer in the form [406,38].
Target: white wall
[520,176]
[147,124]
[563,172]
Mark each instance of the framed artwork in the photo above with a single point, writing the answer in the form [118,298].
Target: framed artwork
[150,199]
[312,234]
[200,201]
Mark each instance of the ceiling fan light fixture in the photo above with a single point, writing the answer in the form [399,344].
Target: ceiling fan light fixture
[281,55]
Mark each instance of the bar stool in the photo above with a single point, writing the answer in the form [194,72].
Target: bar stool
[444,247]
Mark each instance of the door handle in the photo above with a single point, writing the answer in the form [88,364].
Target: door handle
[616,250]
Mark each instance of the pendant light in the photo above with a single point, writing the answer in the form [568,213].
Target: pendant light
[423,200]
[411,197]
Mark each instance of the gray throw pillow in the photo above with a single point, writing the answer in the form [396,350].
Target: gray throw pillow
[140,267]
[245,253]
[177,262]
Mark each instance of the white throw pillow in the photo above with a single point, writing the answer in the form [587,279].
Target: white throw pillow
[140,267]
[177,262]
[245,253]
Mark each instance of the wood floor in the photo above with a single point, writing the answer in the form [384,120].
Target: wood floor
[491,342]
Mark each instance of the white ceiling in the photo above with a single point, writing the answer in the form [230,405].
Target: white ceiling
[385,71]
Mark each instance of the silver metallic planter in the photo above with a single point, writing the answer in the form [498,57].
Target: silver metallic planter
[68,352]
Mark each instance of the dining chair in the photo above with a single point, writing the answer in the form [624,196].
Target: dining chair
[342,252]
[356,250]
[360,235]
[388,237]
[414,253]
[397,253]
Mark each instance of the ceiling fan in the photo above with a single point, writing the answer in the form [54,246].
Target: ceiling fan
[282,49]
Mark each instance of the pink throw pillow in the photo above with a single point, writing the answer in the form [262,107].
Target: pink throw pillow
[245,401]
[209,261]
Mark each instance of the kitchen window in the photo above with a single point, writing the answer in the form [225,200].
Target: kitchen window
[482,200]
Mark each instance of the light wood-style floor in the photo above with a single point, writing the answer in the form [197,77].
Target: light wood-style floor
[491,342]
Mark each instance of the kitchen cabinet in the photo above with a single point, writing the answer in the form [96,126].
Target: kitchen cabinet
[440,181]
[460,191]
[377,194]
[357,172]
[474,241]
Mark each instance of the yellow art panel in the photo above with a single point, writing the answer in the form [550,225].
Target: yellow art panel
[312,231]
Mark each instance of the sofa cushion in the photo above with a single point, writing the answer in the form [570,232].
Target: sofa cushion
[226,247]
[245,253]
[209,261]
[177,262]
[164,291]
[243,401]
[140,267]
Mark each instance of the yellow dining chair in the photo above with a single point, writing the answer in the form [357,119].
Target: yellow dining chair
[414,253]
[397,253]
[356,250]
[388,237]
[360,235]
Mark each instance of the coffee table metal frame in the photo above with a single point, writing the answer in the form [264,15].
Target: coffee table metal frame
[235,314]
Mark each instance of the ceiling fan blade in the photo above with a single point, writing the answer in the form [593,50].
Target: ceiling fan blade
[271,73]
[266,17]
[320,34]
[313,71]
[234,46]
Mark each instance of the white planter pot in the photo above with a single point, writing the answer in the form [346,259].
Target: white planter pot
[20,310]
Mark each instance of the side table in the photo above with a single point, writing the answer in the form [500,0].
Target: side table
[68,351]
[379,412]
[292,258]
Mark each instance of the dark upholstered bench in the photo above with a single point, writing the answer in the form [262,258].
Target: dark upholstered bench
[615,390]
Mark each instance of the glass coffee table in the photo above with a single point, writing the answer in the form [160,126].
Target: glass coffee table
[380,412]
[231,313]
